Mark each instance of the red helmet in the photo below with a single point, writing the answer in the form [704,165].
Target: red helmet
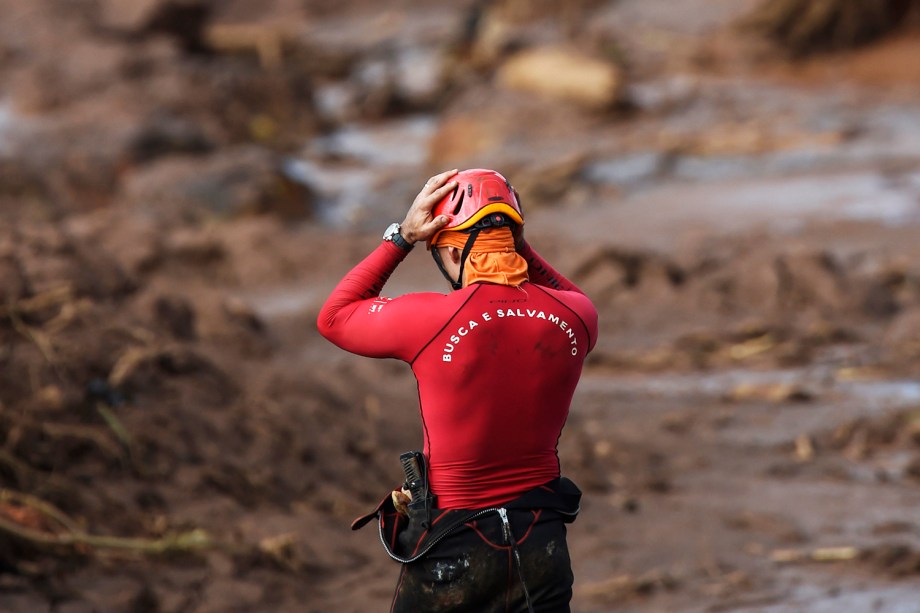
[480,192]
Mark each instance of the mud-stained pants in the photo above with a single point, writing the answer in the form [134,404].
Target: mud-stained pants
[474,570]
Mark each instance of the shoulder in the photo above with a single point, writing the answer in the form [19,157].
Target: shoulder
[571,298]
[427,305]
[577,302]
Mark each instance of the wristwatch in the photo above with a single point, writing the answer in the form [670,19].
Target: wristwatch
[392,234]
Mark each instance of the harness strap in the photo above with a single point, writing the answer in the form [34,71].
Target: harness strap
[509,536]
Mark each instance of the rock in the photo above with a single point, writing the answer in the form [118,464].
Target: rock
[895,559]
[810,280]
[802,27]
[487,36]
[616,590]
[903,335]
[881,294]
[561,73]
[127,15]
[12,284]
[149,371]
[177,315]
[57,78]
[752,285]
[547,184]
[601,275]
[162,135]
[47,257]
[242,102]
[379,85]
[184,20]
[59,168]
[193,248]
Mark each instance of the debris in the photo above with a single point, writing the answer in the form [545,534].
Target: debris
[804,27]
[820,554]
[834,554]
[895,559]
[769,392]
[624,587]
[267,41]
[234,182]
[804,448]
[281,550]
[54,297]
[857,373]
[912,469]
[40,523]
[752,347]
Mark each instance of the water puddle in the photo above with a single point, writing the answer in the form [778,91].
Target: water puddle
[853,196]
[866,173]
[362,174]
[823,596]
[402,143]
[7,121]
[883,393]
[829,158]
[342,192]
[872,395]
[652,216]
[628,171]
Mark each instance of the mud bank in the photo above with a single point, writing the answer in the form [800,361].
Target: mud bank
[177,203]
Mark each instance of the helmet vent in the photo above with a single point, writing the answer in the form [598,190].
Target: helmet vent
[459,204]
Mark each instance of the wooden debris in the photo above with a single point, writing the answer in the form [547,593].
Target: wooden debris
[128,363]
[770,392]
[752,347]
[265,41]
[281,550]
[53,297]
[834,554]
[41,523]
[820,554]
[804,448]
[622,587]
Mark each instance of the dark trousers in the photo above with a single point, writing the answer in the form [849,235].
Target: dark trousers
[474,570]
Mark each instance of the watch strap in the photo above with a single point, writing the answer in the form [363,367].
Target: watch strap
[397,239]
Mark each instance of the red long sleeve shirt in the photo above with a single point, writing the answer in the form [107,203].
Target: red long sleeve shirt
[496,368]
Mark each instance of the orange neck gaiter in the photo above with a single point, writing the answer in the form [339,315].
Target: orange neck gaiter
[492,258]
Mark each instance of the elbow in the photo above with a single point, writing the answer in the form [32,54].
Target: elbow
[324,323]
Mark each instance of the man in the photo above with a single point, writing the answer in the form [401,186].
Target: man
[481,526]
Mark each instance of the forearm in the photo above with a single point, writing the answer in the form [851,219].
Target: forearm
[541,273]
[364,281]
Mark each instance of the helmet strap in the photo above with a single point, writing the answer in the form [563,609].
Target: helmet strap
[458,283]
[437,260]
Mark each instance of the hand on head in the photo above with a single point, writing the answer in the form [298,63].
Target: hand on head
[419,224]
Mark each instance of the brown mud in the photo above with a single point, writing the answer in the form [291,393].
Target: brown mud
[182,183]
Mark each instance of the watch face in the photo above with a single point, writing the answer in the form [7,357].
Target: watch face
[392,229]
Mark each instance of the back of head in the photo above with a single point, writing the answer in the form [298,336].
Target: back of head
[481,211]
[482,198]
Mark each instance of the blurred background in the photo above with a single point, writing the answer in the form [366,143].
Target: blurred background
[735,183]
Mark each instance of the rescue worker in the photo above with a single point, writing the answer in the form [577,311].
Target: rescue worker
[481,526]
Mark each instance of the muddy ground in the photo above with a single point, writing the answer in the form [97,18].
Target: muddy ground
[182,183]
